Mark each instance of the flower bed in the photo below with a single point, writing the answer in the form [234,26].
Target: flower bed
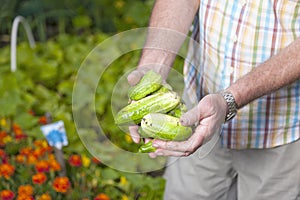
[43,82]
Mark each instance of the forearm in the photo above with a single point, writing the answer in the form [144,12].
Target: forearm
[277,72]
[169,24]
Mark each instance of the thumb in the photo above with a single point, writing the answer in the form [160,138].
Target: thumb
[134,77]
[190,117]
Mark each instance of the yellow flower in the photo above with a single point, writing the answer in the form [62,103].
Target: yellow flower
[119,4]
[3,122]
[123,180]
[125,197]
[86,161]
[7,139]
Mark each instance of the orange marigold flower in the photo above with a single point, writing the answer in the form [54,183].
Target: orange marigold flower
[38,152]
[43,120]
[16,128]
[45,197]
[6,170]
[42,166]
[24,197]
[7,195]
[39,178]
[41,143]
[25,190]
[61,184]
[20,158]
[3,135]
[102,196]
[26,151]
[54,165]
[75,160]
[32,159]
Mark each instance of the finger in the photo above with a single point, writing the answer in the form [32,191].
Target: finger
[163,152]
[134,77]
[133,130]
[190,117]
[190,145]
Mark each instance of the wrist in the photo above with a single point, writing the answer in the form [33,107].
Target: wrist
[157,60]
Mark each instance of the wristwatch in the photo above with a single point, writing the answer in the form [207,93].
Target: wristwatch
[231,105]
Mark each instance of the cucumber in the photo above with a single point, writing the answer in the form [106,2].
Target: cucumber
[161,102]
[150,83]
[178,111]
[147,148]
[164,127]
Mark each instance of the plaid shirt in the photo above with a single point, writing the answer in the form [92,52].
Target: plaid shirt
[234,37]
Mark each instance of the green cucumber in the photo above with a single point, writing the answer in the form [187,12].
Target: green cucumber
[147,148]
[178,111]
[150,83]
[158,103]
[164,127]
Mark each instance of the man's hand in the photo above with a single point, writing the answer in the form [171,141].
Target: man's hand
[208,116]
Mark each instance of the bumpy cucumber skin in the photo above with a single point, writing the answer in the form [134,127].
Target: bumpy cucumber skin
[164,127]
[150,83]
[178,111]
[142,133]
[164,88]
[155,103]
[147,148]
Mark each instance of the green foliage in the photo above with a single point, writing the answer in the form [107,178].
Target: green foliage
[48,18]
[43,83]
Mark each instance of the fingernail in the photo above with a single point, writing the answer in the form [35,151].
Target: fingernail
[155,145]
[136,140]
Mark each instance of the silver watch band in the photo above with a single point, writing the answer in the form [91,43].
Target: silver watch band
[231,105]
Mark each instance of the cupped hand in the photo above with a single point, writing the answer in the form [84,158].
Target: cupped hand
[208,116]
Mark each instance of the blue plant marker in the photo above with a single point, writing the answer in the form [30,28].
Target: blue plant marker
[55,134]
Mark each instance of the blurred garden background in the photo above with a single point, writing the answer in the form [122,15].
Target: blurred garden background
[40,92]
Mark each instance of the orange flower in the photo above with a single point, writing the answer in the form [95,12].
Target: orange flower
[45,197]
[39,178]
[42,166]
[17,129]
[7,195]
[54,165]
[102,196]
[19,134]
[3,134]
[6,170]
[43,120]
[24,197]
[75,160]
[26,151]
[31,159]
[61,184]
[26,190]
[20,158]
